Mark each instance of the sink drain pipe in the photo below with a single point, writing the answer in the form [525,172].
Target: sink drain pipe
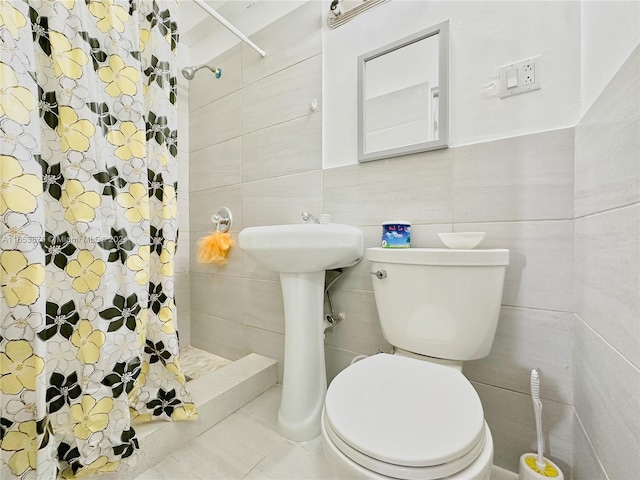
[332,317]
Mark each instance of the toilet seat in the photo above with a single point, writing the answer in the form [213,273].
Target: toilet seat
[433,423]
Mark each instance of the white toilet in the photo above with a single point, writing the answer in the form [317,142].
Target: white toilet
[413,415]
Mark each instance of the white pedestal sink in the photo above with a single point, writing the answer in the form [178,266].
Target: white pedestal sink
[301,253]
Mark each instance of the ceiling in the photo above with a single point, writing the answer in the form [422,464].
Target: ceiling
[195,23]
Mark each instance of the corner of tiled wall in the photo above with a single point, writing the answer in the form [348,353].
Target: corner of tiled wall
[255,147]
[606,377]
[183,253]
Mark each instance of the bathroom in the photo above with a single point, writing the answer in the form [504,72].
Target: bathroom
[553,175]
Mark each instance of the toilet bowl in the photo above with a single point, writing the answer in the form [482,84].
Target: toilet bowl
[413,415]
[389,416]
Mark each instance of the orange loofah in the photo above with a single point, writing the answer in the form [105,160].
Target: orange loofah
[214,248]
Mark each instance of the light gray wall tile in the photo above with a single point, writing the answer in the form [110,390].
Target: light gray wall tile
[183,325]
[586,465]
[522,178]
[359,277]
[540,273]
[181,258]
[215,335]
[360,331]
[263,307]
[606,392]
[608,145]
[204,203]
[264,342]
[414,188]
[284,149]
[182,292]
[206,88]
[216,122]
[281,200]
[183,130]
[283,96]
[215,166]
[253,269]
[607,277]
[336,360]
[287,41]
[527,339]
[217,296]
[426,236]
[513,427]
[233,267]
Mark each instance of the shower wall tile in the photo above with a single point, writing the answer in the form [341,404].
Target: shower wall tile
[607,145]
[606,392]
[513,427]
[183,325]
[183,130]
[416,188]
[607,277]
[588,467]
[181,258]
[359,276]
[217,296]
[264,342]
[216,166]
[540,272]
[206,88]
[287,41]
[281,199]
[253,269]
[283,96]
[360,331]
[222,337]
[263,307]
[337,360]
[233,267]
[204,203]
[216,122]
[183,191]
[522,178]
[284,149]
[182,292]
[527,339]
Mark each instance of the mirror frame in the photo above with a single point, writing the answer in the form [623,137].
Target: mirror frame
[441,29]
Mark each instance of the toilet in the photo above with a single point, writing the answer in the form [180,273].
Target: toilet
[412,414]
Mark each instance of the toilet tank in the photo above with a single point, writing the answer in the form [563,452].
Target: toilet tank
[439,302]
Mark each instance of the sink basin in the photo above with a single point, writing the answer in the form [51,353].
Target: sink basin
[300,254]
[300,248]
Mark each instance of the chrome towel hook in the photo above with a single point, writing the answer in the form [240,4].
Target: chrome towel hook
[222,219]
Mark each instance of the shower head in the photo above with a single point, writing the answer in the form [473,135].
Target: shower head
[190,72]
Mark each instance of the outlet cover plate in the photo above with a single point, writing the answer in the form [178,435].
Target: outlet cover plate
[528,75]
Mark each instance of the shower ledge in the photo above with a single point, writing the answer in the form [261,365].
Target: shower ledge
[217,395]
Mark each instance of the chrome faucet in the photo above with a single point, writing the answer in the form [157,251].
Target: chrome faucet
[309,218]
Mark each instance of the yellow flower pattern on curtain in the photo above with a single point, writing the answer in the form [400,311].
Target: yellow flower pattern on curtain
[88,232]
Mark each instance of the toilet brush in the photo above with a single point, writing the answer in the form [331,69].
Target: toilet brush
[532,466]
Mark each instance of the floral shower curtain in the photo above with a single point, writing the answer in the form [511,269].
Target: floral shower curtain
[88,344]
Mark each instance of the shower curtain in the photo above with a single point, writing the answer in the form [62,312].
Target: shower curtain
[88,341]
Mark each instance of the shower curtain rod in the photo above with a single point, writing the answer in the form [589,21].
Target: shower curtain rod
[230,27]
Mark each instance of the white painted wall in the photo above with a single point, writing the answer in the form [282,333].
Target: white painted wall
[610,32]
[483,37]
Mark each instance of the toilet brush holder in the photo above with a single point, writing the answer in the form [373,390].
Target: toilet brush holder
[529,469]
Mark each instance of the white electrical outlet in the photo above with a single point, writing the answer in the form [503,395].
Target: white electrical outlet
[519,77]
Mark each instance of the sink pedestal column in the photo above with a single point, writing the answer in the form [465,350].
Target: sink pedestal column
[305,382]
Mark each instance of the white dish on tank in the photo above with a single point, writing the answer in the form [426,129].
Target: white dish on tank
[462,240]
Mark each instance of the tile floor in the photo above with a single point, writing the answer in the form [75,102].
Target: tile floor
[246,445]
[196,362]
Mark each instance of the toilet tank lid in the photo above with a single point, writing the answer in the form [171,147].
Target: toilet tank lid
[439,256]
